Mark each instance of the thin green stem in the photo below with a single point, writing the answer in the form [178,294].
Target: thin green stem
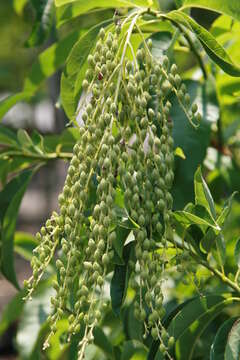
[44,157]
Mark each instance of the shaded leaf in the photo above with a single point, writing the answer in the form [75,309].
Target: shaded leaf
[219,253]
[34,314]
[134,348]
[191,334]
[9,219]
[101,340]
[226,210]
[24,244]
[232,351]
[166,322]
[7,103]
[193,142]
[12,311]
[43,21]
[24,139]
[119,282]
[220,340]
[208,240]
[237,253]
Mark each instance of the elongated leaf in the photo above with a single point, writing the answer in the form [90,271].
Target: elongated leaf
[192,311]
[24,244]
[166,322]
[12,311]
[119,282]
[101,340]
[228,7]
[193,142]
[43,21]
[19,5]
[215,51]
[237,253]
[202,193]
[220,340]
[194,331]
[220,255]
[48,62]
[233,344]
[34,315]
[24,139]
[8,227]
[208,240]
[188,219]
[226,210]
[95,3]
[7,103]
[134,348]
[7,136]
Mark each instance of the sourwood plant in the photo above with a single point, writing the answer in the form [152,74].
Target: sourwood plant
[136,222]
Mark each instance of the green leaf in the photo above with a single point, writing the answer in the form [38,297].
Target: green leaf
[7,103]
[12,311]
[219,253]
[208,240]
[226,210]
[34,314]
[232,351]
[134,349]
[19,6]
[194,143]
[214,50]
[166,322]
[202,193]
[7,136]
[101,340]
[191,334]
[44,10]
[228,7]
[220,340]
[179,152]
[103,3]
[9,219]
[122,234]
[119,282]
[48,62]
[73,9]
[24,244]
[178,3]
[24,139]
[187,219]
[237,253]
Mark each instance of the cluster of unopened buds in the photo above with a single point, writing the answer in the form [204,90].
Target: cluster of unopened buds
[125,146]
